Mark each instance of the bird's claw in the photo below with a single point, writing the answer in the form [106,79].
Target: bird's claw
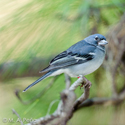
[81,85]
[87,83]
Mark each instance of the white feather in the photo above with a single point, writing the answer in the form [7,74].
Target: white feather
[92,53]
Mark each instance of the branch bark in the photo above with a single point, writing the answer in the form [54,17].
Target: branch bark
[66,106]
[104,101]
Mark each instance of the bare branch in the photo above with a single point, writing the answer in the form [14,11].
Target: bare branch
[14,112]
[104,101]
[50,106]
[67,105]
[68,97]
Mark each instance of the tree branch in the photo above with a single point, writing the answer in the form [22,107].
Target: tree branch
[104,101]
[67,105]
[14,112]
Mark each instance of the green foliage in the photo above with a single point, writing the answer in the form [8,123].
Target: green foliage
[41,28]
[38,27]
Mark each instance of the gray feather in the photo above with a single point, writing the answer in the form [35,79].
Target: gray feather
[76,54]
[38,80]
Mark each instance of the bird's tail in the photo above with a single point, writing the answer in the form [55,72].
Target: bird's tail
[38,80]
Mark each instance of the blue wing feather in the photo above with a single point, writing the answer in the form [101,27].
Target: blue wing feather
[69,57]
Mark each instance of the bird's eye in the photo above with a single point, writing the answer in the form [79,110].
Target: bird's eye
[96,38]
[102,39]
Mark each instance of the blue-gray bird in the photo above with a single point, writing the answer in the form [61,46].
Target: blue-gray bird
[82,58]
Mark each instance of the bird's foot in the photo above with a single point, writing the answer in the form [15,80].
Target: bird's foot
[81,85]
[86,83]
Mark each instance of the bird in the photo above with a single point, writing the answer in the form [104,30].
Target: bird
[82,58]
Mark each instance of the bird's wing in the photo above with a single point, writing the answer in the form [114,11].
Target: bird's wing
[76,54]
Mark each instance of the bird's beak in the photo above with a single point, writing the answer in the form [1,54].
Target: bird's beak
[103,42]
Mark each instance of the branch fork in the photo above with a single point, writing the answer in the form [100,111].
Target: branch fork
[67,105]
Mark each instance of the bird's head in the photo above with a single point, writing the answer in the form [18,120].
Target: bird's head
[96,40]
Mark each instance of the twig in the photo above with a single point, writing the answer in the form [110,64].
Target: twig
[50,106]
[68,98]
[66,106]
[14,112]
[104,101]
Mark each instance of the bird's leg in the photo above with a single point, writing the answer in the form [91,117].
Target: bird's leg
[82,82]
[85,83]
[81,85]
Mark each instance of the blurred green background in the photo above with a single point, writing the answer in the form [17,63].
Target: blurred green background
[34,31]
